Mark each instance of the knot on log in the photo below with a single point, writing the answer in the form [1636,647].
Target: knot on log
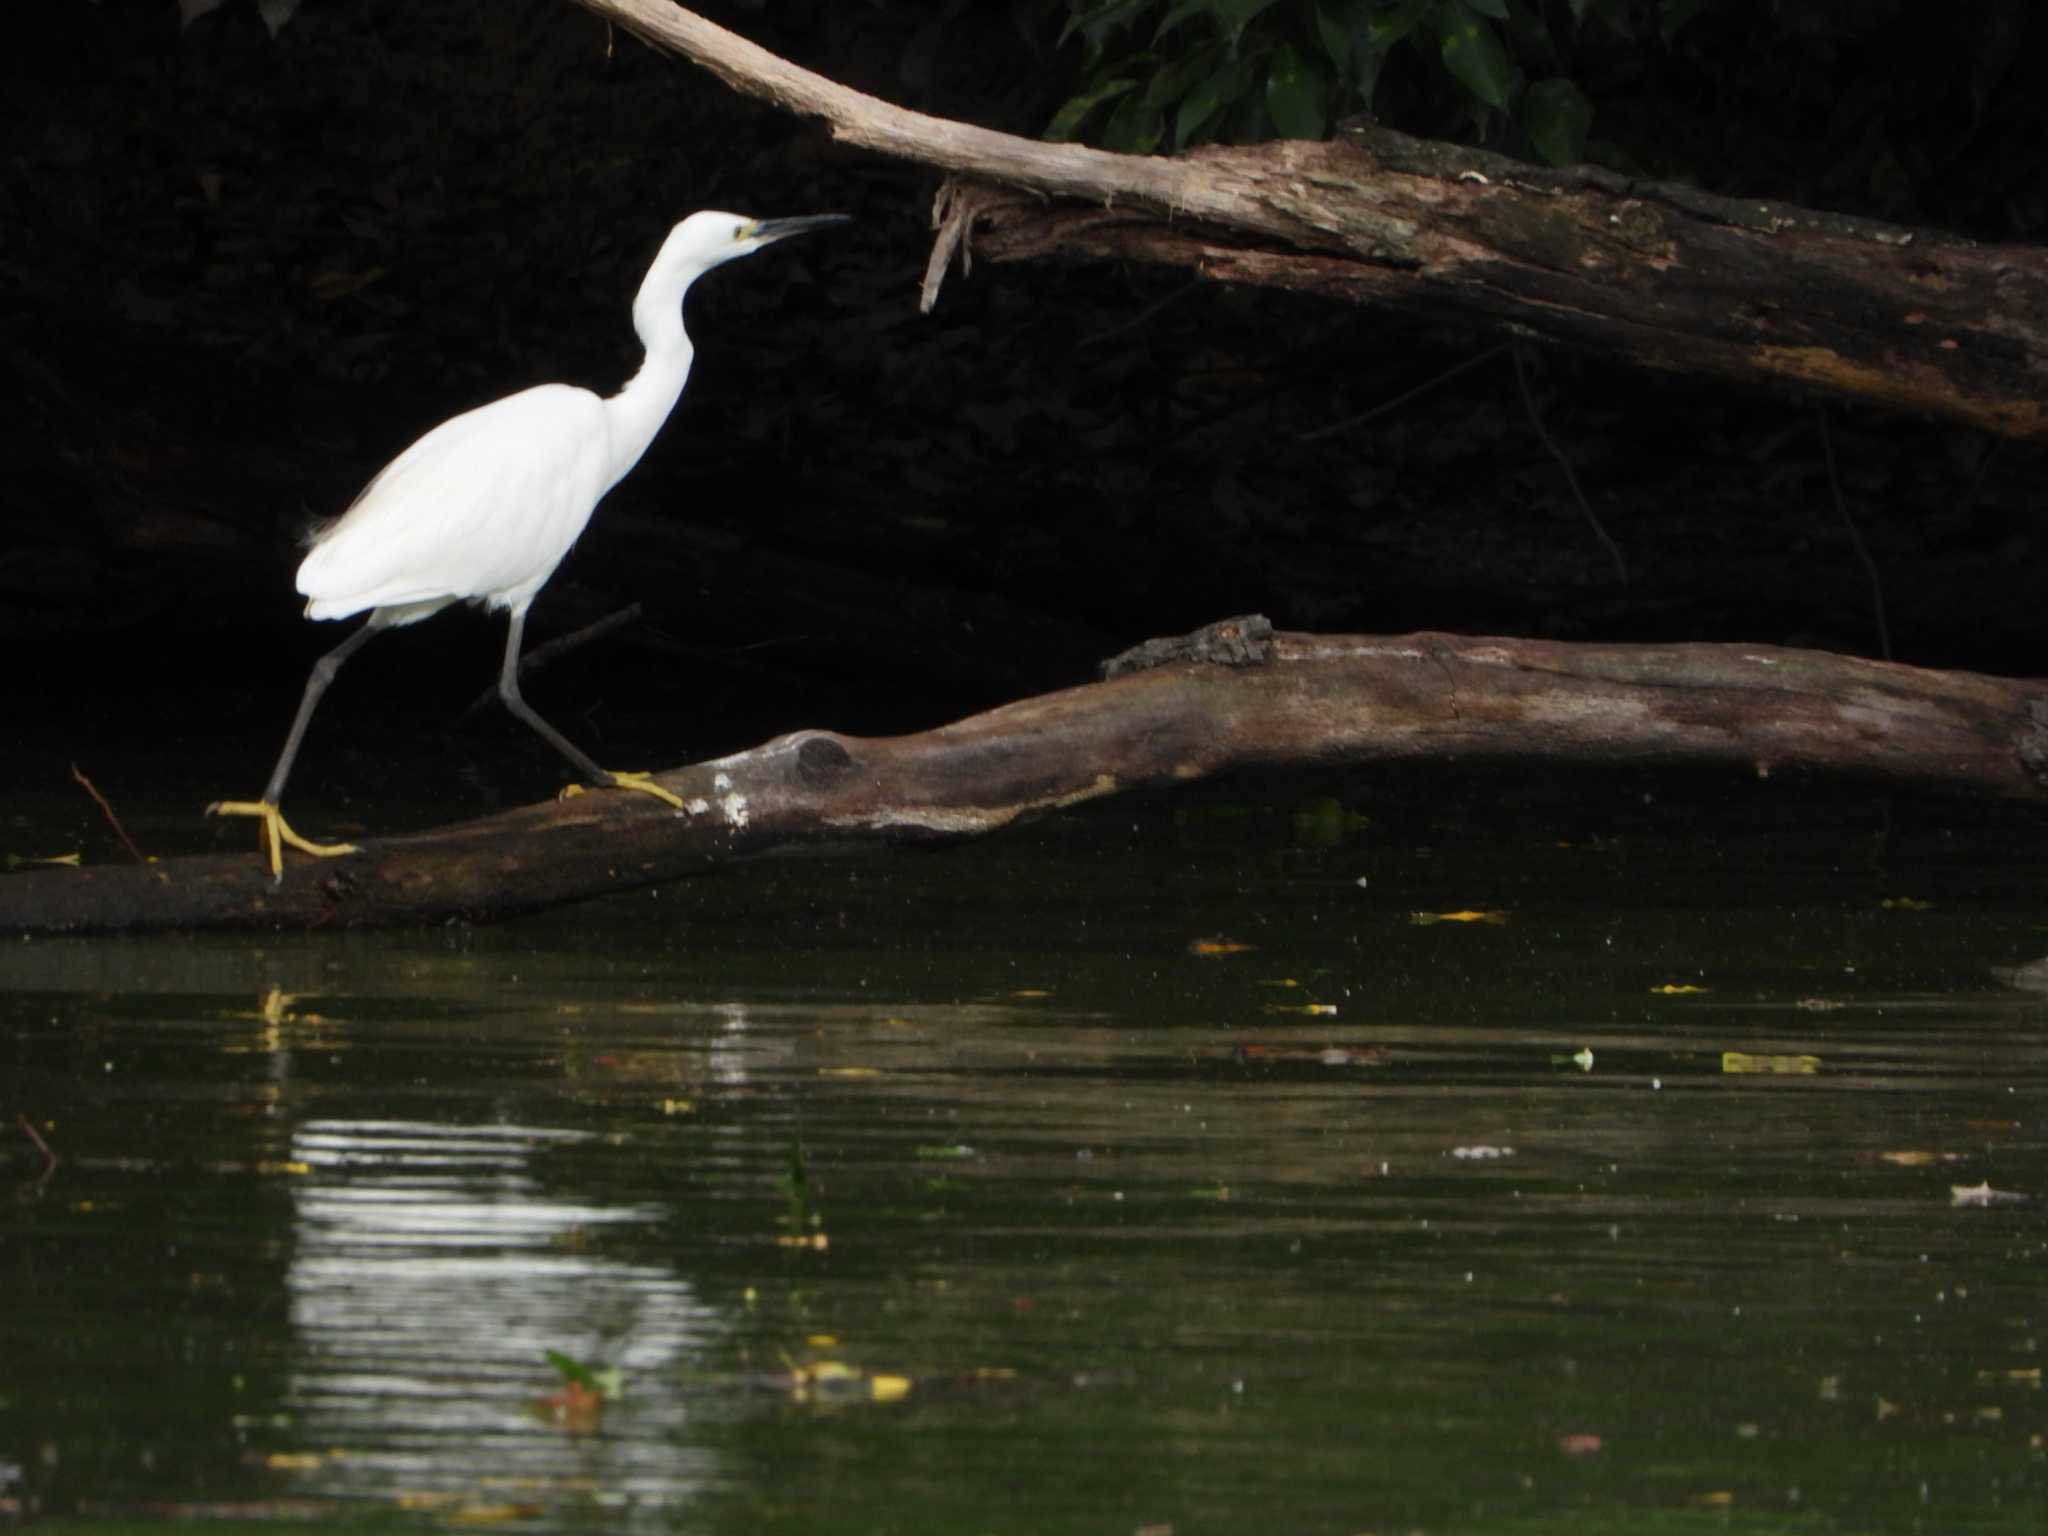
[1244,641]
[2033,741]
[820,758]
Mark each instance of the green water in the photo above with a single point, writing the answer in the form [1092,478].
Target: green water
[1107,1223]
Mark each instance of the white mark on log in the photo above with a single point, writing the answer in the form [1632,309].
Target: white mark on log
[698,806]
[721,781]
[734,806]
[1324,650]
[1762,661]
[970,820]
[962,823]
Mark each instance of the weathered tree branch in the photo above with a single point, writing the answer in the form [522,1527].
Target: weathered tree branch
[1654,273]
[1232,697]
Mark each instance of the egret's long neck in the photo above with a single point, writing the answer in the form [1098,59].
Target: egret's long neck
[637,411]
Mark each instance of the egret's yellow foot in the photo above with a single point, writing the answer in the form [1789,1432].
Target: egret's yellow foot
[277,832]
[644,782]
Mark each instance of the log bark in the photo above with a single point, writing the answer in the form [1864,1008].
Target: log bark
[1232,697]
[1653,273]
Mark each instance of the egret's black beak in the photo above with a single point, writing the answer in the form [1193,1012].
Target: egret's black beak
[767,230]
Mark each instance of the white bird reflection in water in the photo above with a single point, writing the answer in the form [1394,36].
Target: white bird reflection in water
[433,1273]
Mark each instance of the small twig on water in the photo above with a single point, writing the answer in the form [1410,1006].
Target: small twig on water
[1401,399]
[112,820]
[1570,475]
[1141,317]
[50,1159]
[555,650]
[1884,632]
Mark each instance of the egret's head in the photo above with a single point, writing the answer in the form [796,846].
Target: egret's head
[705,240]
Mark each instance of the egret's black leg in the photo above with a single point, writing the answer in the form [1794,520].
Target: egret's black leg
[508,690]
[316,684]
[275,829]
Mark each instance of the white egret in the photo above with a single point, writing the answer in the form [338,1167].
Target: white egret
[483,508]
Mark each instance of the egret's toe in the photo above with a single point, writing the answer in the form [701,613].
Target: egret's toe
[644,782]
[277,832]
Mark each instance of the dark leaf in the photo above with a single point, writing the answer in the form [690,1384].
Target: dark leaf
[1297,95]
[1067,121]
[1134,128]
[1556,115]
[1205,102]
[1172,81]
[1473,54]
[1095,25]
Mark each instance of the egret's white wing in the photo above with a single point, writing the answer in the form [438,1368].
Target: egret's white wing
[482,508]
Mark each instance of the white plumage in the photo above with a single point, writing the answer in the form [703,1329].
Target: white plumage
[481,509]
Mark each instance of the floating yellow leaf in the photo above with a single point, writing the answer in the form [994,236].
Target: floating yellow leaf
[292,1170]
[493,1514]
[678,1106]
[1906,904]
[69,860]
[834,1381]
[293,1461]
[1031,992]
[1217,946]
[1318,1010]
[849,1071]
[419,1499]
[1676,989]
[1493,916]
[1720,1498]
[1784,1066]
[1915,1158]
[821,1340]
[817,1242]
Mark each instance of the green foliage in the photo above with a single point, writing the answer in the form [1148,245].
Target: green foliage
[1173,73]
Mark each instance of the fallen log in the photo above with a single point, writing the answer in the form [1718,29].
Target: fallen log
[1656,274]
[1234,696]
